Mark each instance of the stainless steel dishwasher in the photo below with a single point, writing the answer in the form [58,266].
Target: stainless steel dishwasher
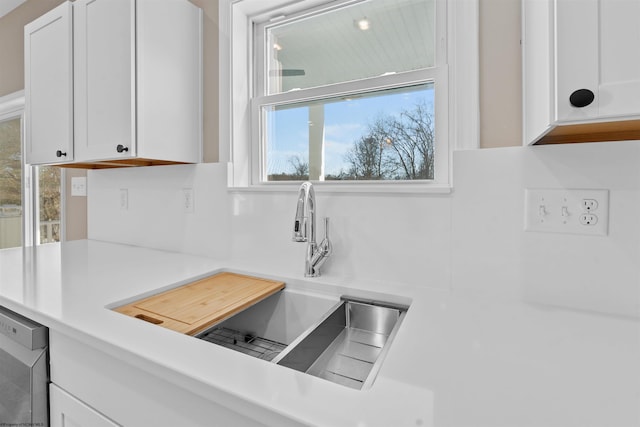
[24,371]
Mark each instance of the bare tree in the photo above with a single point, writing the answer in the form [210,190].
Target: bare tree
[49,193]
[368,158]
[413,140]
[10,163]
[300,168]
[395,147]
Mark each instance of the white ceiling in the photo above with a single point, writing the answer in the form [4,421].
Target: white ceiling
[7,6]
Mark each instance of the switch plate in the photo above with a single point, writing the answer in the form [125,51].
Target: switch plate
[124,199]
[78,186]
[573,211]
[187,200]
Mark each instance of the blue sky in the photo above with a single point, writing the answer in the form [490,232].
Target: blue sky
[345,122]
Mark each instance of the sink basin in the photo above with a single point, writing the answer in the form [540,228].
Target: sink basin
[268,327]
[348,345]
[344,343]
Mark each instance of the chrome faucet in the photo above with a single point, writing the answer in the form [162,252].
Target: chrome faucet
[304,230]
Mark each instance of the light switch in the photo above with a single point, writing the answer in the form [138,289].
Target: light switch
[78,186]
[187,200]
[124,199]
[573,211]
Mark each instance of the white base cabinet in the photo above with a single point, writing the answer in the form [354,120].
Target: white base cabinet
[128,395]
[136,85]
[67,411]
[581,67]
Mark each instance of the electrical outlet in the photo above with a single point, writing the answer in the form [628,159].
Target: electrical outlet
[187,200]
[589,205]
[78,186]
[574,211]
[588,219]
[124,199]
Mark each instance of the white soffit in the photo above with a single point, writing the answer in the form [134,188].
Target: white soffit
[7,6]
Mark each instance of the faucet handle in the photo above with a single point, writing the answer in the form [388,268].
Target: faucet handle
[323,250]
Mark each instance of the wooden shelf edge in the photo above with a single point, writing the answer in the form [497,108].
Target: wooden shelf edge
[123,163]
[626,130]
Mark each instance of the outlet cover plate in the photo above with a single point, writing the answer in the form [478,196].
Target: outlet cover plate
[78,186]
[124,199]
[571,211]
[188,200]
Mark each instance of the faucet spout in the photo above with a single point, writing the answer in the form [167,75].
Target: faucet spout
[304,224]
[304,230]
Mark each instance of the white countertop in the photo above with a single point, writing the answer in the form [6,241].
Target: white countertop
[457,360]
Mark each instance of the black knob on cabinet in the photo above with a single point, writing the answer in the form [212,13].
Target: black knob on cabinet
[121,148]
[59,153]
[581,98]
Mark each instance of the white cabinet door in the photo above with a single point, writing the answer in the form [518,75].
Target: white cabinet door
[49,87]
[169,80]
[67,411]
[104,61]
[598,52]
[619,57]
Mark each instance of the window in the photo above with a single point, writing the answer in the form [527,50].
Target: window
[382,135]
[18,224]
[49,209]
[346,92]
[10,184]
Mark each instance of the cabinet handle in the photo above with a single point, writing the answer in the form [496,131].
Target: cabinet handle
[581,98]
[121,148]
[59,153]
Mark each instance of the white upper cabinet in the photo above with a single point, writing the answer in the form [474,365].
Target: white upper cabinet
[581,70]
[104,69]
[137,82]
[49,87]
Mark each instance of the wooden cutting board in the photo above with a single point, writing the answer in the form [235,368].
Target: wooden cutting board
[193,307]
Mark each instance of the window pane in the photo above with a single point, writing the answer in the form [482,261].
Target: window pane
[49,204]
[10,185]
[383,135]
[365,39]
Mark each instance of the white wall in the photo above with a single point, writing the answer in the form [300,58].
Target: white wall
[500,54]
[469,241]
[493,254]
[400,238]
[155,217]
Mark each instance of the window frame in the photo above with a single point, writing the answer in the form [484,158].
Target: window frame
[456,70]
[12,107]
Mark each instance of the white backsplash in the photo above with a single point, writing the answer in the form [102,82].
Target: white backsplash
[155,217]
[472,240]
[403,239]
[492,253]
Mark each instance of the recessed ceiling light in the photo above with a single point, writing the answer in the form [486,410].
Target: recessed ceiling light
[362,24]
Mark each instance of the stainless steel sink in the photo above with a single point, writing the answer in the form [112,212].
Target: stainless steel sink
[346,345]
[268,327]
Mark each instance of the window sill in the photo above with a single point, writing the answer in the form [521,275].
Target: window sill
[383,188]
